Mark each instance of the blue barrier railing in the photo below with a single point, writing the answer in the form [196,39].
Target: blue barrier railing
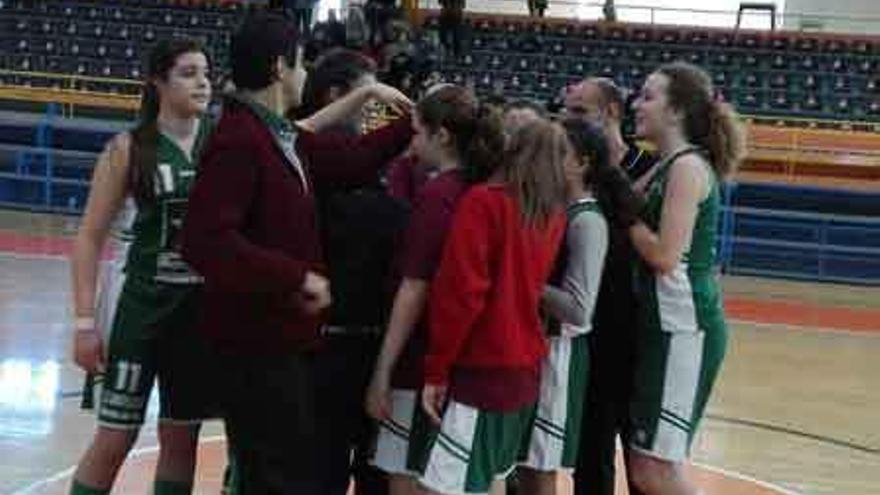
[800,245]
[44,180]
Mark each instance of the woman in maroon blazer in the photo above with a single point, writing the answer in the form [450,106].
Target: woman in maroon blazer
[251,232]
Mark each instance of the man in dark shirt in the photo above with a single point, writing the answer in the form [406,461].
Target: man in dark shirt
[601,102]
[452,25]
[251,232]
[358,232]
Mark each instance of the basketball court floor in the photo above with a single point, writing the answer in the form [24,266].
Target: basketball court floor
[795,411]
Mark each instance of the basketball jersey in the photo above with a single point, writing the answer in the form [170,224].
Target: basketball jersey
[148,234]
[687,298]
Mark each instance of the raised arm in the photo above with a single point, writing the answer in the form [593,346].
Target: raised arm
[338,159]
[344,108]
[106,196]
[573,302]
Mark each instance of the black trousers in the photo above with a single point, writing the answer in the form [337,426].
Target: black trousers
[606,411]
[452,30]
[302,19]
[343,369]
[268,407]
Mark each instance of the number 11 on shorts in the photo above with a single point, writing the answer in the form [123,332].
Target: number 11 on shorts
[127,377]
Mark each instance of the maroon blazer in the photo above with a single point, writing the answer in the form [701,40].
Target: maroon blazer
[251,228]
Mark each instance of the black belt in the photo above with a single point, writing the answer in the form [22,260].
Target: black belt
[328,330]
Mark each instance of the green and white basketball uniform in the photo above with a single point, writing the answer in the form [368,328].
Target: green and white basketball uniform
[555,434]
[682,336]
[392,453]
[556,431]
[147,304]
[471,449]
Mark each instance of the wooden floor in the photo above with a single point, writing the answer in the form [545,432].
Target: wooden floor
[796,407]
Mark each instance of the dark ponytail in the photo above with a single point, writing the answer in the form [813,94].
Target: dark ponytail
[144,144]
[708,121]
[145,136]
[476,129]
[613,191]
[483,151]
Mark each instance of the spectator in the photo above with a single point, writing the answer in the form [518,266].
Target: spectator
[537,7]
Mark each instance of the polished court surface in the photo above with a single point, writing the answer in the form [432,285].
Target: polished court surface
[796,409]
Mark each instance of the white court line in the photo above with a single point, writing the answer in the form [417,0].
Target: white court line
[68,473]
[34,257]
[743,477]
[765,325]
[803,328]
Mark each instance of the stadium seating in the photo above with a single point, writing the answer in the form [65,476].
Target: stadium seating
[769,74]
[91,38]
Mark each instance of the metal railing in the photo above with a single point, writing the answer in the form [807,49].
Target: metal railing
[649,14]
[70,91]
[809,253]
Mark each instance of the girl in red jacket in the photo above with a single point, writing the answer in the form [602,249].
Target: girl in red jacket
[486,341]
[462,139]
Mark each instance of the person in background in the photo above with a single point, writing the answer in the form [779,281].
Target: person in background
[520,112]
[359,226]
[600,102]
[301,11]
[537,7]
[452,25]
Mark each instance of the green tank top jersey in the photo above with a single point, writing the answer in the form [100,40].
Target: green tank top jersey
[689,297]
[153,234]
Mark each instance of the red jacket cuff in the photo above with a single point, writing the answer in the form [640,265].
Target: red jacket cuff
[435,373]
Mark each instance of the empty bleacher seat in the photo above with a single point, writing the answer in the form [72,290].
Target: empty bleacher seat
[751,100]
[841,84]
[843,106]
[780,43]
[753,80]
[642,36]
[807,45]
[779,81]
[617,34]
[721,58]
[808,63]
[749,59]
[779,62]
[811,103]
[838,64]
[867,66]
[810,82]
[863,47]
